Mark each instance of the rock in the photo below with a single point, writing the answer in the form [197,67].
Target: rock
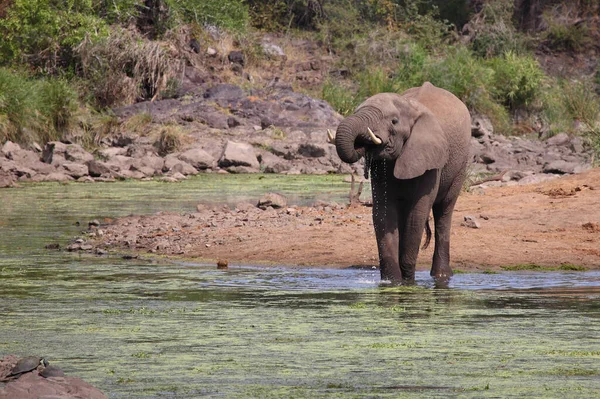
[58,177]
[76,153]
[273,50]
[312,150]
[111,152]
[53,148]
[198,158]
[9,148]
[224,91]
[236,57]
[173,164]
[33,386]
[271,163]
[488,157]
[145,170]
[577,145]
[532,179]
[560,166]
[216,120]
[6,179]
[211,52]
[75,170]
[558,140]
[238,154]
[481,126]
[273,200]
[98,168]
[471,222]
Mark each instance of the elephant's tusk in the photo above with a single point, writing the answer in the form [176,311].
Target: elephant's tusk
[330,137]
[374,138]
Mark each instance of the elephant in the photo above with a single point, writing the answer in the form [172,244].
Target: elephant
[416,145]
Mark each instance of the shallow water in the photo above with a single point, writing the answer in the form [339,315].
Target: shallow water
[140,329]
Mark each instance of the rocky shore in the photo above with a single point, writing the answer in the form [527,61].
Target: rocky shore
[275,130]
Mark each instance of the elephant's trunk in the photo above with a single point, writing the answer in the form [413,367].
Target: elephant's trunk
[352,134]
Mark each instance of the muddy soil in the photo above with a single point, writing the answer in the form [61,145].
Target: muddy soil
[552,224]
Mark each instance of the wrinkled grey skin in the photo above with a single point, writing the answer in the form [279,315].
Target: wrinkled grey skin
[419,166]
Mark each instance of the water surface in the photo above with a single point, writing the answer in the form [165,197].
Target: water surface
[139,329]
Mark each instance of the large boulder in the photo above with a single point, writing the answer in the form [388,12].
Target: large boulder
[76,153]
[198,158]
[75,170]
[9,148]
[238,154]
[175,165]
[98,168]
[32,385]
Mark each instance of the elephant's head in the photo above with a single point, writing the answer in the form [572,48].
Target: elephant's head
[388,126]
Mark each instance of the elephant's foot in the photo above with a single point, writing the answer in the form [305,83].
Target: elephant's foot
[441,275]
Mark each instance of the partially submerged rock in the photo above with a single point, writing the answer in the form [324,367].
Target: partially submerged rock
[35,378]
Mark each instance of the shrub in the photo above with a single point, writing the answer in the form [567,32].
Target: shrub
[169,140]
[373,81]
[567,36]
[16,106]
[33,110]
[494,31]
[42,32]
[517,79]
[339,97]
[57,106]
[228,14]
[124,67]
[471,80]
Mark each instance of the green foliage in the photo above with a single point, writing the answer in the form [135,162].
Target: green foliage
[563,33]
[57,107]
[517,79]
[471,80]
[494,31]
[228,14]
[375,81]
[41,32]
[34,110]
[339,97]
[16,108]
[169,140]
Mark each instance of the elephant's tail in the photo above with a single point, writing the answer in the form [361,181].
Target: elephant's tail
[428,234]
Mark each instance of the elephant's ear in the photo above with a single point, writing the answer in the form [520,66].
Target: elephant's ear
[426,148]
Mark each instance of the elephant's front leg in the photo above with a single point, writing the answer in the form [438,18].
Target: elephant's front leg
[385,221]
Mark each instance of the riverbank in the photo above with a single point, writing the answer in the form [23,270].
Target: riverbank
[550,225]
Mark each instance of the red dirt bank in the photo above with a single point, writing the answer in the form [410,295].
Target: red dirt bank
[548,224]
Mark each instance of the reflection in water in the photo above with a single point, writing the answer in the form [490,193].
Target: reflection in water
[139,329]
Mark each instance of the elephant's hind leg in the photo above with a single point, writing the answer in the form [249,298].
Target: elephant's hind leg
[442,214]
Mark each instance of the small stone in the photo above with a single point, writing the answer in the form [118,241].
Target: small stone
[222,264]
[471,222]
[94,223]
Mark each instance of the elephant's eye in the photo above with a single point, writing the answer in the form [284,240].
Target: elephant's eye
[395,121]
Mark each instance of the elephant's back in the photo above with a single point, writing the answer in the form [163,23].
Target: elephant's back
[455,120]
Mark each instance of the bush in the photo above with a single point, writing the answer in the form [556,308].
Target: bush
[517,80]
[16,106]
[227,14]
[42,32]
[494,31]
[339,97]
[567,36]
[124,67]
[572,107]
[33,110]
[471,80]
[57,106]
